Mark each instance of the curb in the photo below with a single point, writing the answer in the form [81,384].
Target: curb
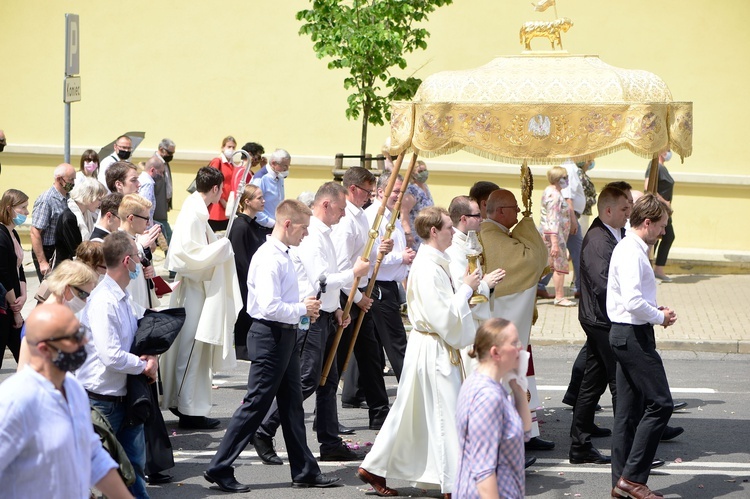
[738,346]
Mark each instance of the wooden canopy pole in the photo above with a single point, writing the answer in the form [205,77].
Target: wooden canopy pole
[653,176]
[355,284]
[388,230]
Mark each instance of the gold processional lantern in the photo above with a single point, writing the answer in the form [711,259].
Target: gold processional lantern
[542,108]
[535,108]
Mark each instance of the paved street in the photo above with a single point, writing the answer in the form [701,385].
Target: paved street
[714,450]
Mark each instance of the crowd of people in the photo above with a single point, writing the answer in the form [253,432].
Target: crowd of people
[313,293]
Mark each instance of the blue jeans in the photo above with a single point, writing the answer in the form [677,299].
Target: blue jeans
[131,439]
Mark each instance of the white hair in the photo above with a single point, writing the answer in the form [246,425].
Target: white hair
[278,156]
[88,190]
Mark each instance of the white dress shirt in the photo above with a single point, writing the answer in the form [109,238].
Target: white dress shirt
[315,257]
[272,289]
[113,324]
[574,191]
[146,189]
[631,289]
[349,236]
[48,447]
[392,268]
[104,166]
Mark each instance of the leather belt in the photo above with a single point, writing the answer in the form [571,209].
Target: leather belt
[280,325]
[105,398]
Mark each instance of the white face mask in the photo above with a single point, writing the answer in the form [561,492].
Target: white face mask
[228,153]
[283,174]
[76,304]
[563,183]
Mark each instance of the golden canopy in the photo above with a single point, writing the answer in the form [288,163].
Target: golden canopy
[540,109]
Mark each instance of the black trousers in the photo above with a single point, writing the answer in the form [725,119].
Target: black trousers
[599,372]
[662,246]
[644,403]
[386,316]
[9,336]
[274,372]
[576,377]
[367,352]
[317,343]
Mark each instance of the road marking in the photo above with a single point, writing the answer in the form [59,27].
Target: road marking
[563,388]
[671,468]
[248,458]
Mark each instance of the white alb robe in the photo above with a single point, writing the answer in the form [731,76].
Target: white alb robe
[480,312]
[419,440]
[210,293]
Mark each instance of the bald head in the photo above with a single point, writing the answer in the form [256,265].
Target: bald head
[50,321]
[502,207]
[64,170]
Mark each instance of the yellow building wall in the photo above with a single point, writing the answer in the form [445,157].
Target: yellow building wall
[197,71]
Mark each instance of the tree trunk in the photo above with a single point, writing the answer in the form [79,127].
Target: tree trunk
[363,143]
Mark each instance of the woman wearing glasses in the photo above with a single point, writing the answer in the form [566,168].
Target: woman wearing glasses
[491,428]
[69,284]
[77,221]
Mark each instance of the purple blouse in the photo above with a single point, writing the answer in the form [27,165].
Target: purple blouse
[490,437]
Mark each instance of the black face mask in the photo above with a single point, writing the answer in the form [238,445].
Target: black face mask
[123,155]
[2,146]
[69,362]
[167,159]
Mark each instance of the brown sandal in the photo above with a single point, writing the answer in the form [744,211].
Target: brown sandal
[376,482]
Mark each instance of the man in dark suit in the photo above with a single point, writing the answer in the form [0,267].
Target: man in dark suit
[605,232]
[163,187]
[108,221]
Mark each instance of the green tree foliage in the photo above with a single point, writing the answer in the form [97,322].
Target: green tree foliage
[369,38]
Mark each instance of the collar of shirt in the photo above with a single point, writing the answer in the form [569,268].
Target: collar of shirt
[114,288]
[145,178]
[641,243]
[501,226]
[283,248]
[615,232]
[352,209]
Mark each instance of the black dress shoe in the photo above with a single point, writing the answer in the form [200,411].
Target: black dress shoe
[321,481]
[198,423]
[228,484]
[529,461]
[671,432]
[355,404]
[592,456]
[657,463]
[158,477]
[679,405]
[538,443]
[341,453]
[264,448]
[345,430]
[597,432]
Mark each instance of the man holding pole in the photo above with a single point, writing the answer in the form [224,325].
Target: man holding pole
[315,259]
[350,239]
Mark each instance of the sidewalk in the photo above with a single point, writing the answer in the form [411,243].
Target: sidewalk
[713,313]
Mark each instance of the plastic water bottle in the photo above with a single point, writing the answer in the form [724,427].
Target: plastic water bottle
[304,323]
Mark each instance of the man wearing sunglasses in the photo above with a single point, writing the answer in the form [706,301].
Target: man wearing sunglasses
[61,446]
[113,325]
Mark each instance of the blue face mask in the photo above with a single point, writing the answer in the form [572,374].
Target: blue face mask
[668,156]
[591,166]
[19,219]
[135,273]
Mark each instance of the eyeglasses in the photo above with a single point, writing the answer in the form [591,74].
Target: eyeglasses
[473,215]
[81,293]
[515,206]
[368,191]
[83,333]
[141,217]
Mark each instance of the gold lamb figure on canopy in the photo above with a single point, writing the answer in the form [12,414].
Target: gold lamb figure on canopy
[550,30]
